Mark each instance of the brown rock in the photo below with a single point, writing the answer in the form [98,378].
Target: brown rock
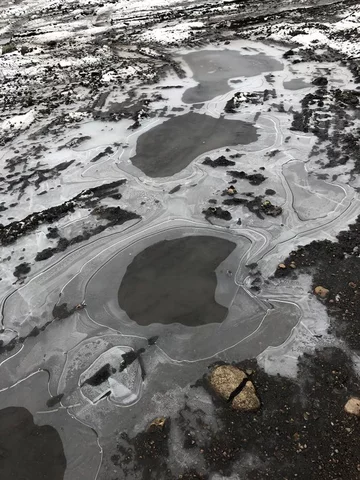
[246,400]
[225,379]
[157,424]
[353,406]
[321,292]
[282,265]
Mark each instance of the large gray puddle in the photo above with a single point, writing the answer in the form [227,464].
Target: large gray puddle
[296,84]
[29,451]
[174,281]
[213,68]
[171,146]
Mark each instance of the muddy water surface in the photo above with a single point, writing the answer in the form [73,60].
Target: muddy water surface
[213,68]
[171,146]
[174,282]
[28,451]
[296,84]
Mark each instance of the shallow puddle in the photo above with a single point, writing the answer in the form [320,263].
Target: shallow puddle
[171,146]
[29,451]
[213,68]
[296,84]
[174,282]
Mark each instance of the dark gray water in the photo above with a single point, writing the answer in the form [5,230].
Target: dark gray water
[171,146]
[213,68]
[174,281]
[296,84]
[27,451]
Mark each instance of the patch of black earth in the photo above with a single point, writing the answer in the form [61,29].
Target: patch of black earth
[221,161]
[174,281]
[257,205]
[334,266]
[162,152]
[113,215]
[29,451]
[332,116]
[301,430]
[87,198]
[148,451]
[253,178]
[217,212]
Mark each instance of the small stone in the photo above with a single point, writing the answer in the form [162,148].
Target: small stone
[353,406]
[352,285]
[157,424]
[282,265]
[231,190]
[321,291]
[292,265]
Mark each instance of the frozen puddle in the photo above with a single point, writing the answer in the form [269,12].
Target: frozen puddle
[28,450]
[174,282]
[296,84]
[312,198]
[171,146]
[213,69]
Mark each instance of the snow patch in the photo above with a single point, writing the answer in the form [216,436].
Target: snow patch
[171,33]
[19,122]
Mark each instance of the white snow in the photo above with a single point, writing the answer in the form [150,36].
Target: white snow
[19,122]
[171,33]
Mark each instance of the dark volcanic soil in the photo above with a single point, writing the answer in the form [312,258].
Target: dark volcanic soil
[301,430]
[336,267]
[29,452]
[174,281]
[171,146]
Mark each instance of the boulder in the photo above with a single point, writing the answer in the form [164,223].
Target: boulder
[225,379]
[247,399]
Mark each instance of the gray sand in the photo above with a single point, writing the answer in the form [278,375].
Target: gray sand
[170,147]
[174,281]
[213,68]
[296,84]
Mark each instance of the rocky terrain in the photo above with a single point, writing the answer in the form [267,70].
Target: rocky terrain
[179,231]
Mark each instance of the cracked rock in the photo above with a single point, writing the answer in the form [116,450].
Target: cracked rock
[247,399]
[233,385]
[226,379]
